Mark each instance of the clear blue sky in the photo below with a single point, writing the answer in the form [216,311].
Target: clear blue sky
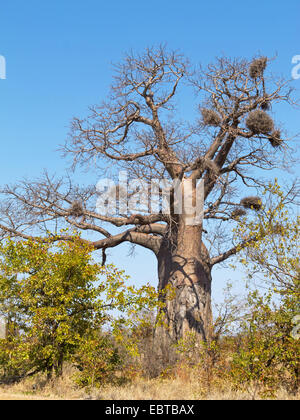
[59,56]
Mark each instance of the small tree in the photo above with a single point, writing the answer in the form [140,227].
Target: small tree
[268,358]
[55,299]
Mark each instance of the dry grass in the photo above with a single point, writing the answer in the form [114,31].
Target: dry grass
[177,389]
[180,388]
[38,388]
[7,395]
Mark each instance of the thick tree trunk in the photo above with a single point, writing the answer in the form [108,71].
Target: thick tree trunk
[183,263]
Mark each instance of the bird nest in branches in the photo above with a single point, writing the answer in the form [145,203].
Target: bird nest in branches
[210,117]
[257,67]
[254,203]
[265,105]
[237,213]
[76,209]
[259,122]
[275,138]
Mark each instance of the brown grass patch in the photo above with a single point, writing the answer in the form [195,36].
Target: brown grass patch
[185,385]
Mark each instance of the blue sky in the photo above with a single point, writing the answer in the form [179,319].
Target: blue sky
[59,57]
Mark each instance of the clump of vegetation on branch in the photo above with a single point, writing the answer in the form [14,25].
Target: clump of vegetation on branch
[210,117]
[265,105]
[259,122]
[237,213]
[251,203]
[76,209]
[275,138]
[257,67]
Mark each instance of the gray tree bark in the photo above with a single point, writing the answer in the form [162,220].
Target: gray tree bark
[183,264]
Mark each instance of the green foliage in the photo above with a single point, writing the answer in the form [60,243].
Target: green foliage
[97,360]
[273,246]
[62,306]
[203,357]
[261,340]
[268,355]
[56,301]
[269,352]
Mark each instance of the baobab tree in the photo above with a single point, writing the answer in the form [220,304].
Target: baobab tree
[139,130]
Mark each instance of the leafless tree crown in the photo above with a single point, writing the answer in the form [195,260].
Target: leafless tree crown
[136,129]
